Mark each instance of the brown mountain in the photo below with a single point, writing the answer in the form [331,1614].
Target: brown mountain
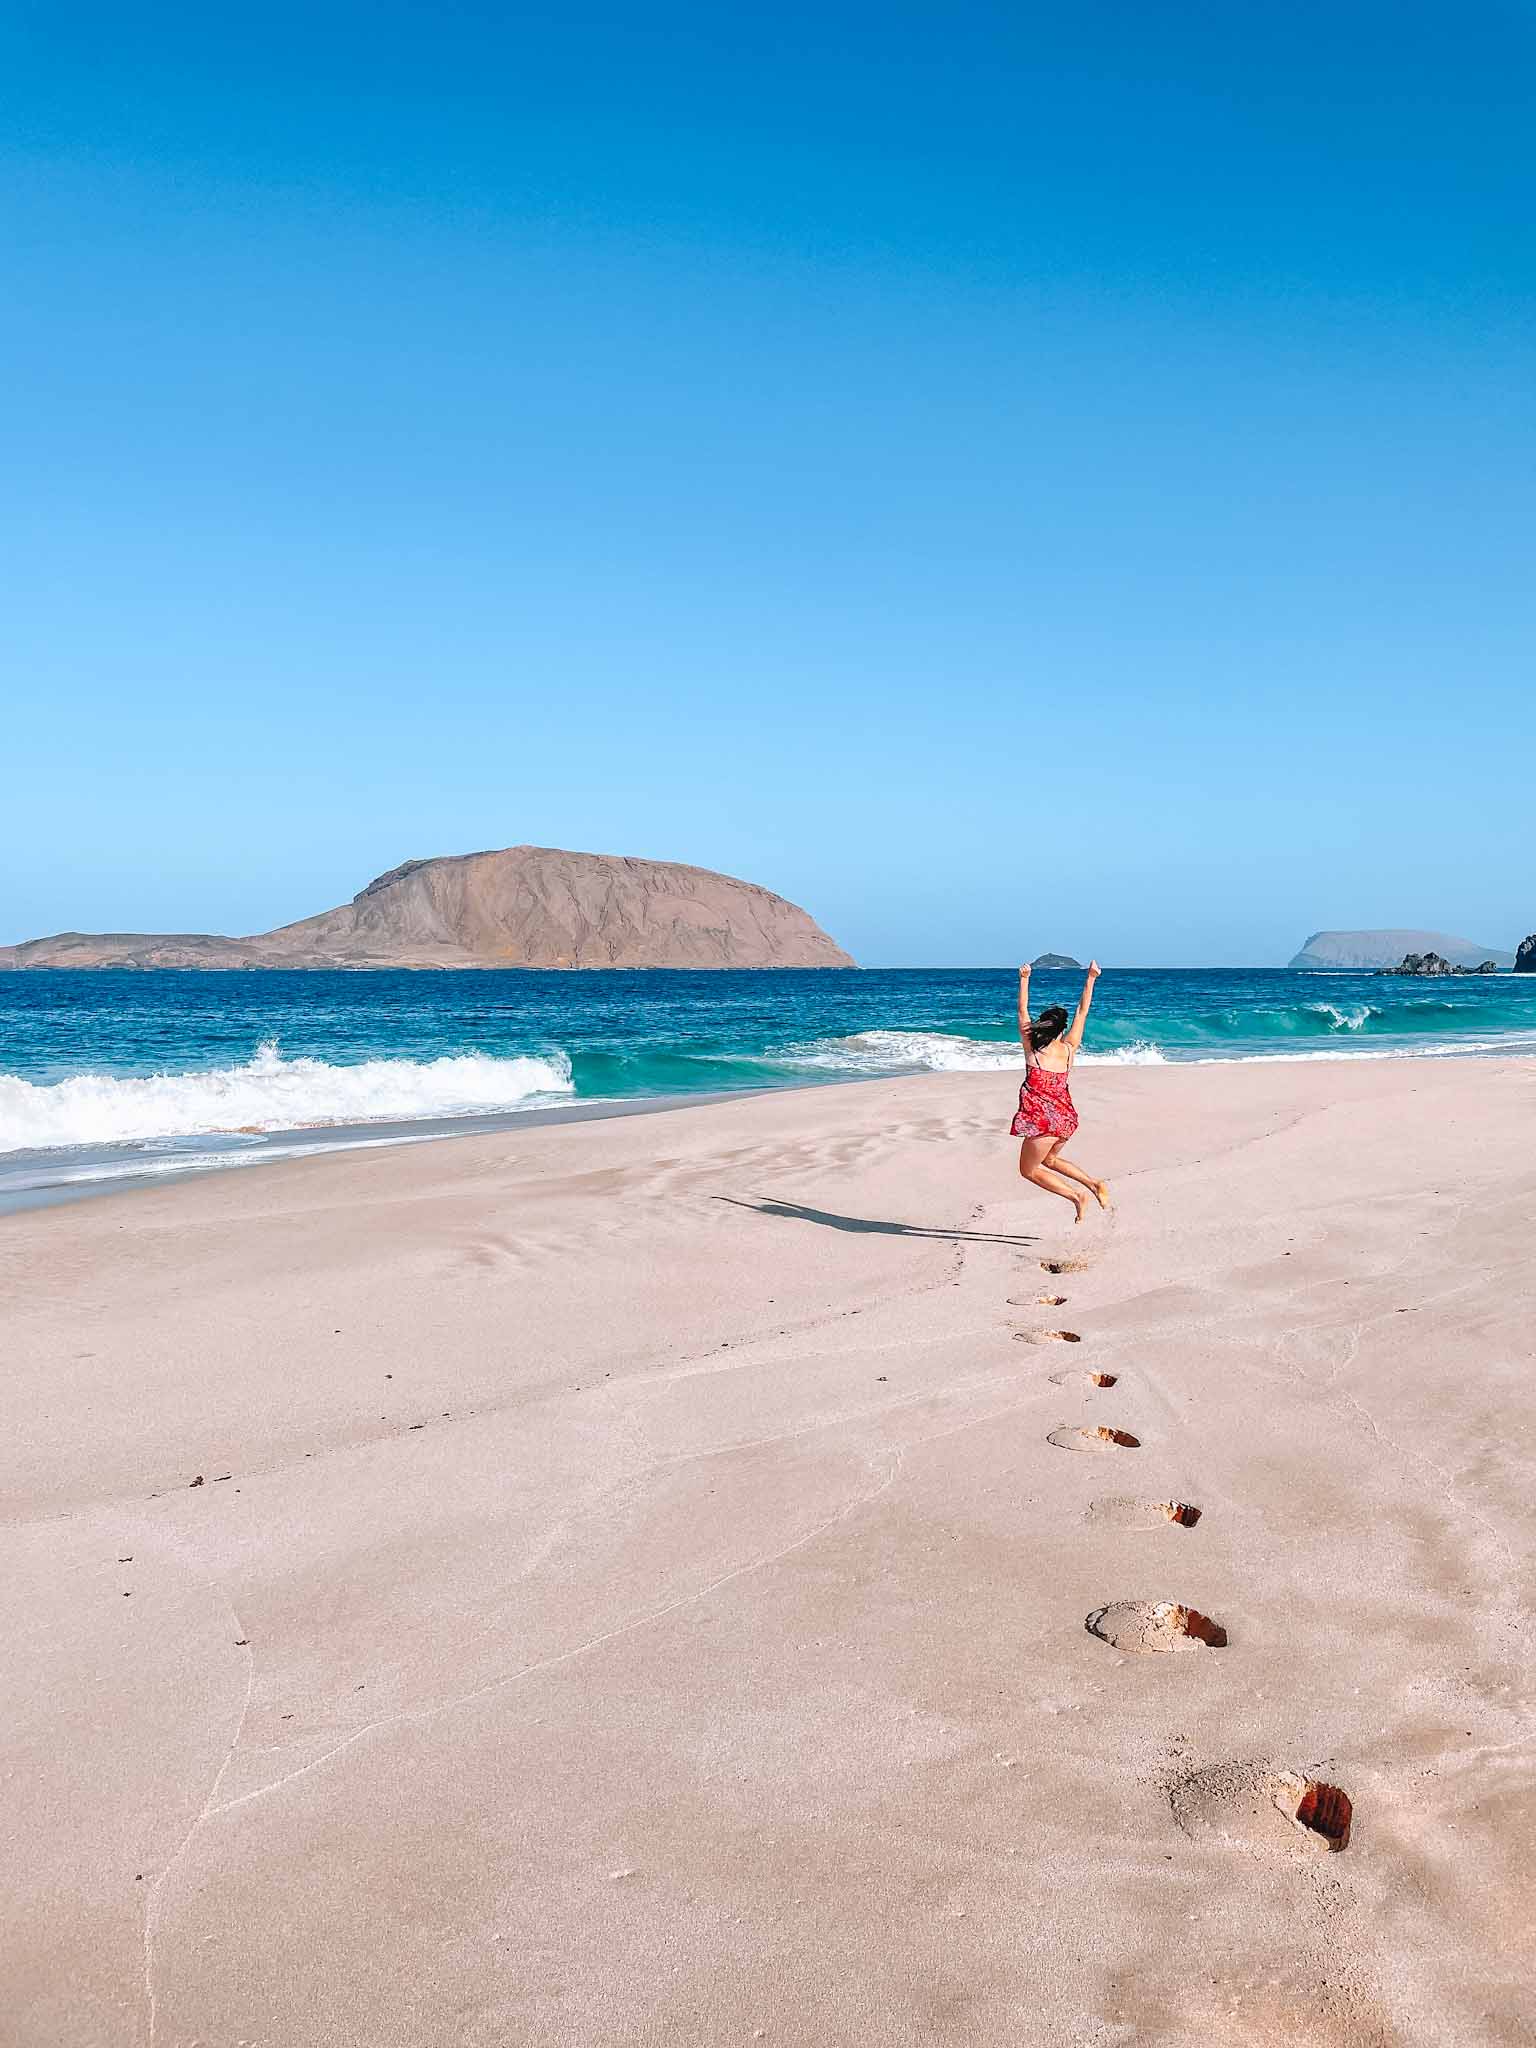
[527,906]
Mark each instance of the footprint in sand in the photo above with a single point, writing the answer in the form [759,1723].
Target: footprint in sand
[1037,1301]
[1075,1438]
[1120,1511]
[1065,1265]
[1147,1626]
[1069,1378]
[1259,1807]
[1046,1337]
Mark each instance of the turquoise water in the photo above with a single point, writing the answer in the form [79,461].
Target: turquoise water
[111,1074]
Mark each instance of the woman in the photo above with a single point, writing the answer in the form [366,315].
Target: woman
[1046,1118]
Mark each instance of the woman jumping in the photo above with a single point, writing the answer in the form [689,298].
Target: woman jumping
[1046,1118]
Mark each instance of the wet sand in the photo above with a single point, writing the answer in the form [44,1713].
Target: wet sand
[647,1582]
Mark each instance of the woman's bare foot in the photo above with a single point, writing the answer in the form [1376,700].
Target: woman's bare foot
[1080,1204]
[1101,1189]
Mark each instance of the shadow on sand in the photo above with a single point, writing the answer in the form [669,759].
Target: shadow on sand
[796,1212]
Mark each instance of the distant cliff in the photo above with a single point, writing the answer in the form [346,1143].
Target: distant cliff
[528,906]
[1385,949]
[1525,958]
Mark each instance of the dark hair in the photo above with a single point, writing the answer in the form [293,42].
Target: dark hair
[1048,1025]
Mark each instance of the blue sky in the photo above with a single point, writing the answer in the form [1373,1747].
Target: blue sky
[1006,477]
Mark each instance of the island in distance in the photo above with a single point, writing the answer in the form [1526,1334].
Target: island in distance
[525,906]
[1343,950]
[1063,960]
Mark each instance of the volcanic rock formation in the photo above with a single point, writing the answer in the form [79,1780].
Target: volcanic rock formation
[1432,964]
[1525,958]
[527,906]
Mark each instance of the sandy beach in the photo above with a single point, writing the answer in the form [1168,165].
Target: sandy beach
[629,1583]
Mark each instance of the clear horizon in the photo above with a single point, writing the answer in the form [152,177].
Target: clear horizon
[921,966]
[1005,482]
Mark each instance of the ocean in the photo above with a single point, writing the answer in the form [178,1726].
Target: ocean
[111,1078]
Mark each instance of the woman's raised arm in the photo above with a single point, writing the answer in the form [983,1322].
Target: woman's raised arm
[1075,1035]
[1024,1038]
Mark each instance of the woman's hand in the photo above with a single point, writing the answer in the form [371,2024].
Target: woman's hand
[1094,970]
[1023,974]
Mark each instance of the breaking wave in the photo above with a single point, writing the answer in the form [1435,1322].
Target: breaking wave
[269,1093]
[902,1052]
[937,1052]
[1353,1018]
[1396,1016]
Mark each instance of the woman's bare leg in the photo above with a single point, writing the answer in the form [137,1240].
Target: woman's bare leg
[1032,1157]
[1057,1164]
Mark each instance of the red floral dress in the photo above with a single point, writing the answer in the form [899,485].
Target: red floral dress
[1045,1105]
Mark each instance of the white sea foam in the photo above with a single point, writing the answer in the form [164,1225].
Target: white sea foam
[269,1093]
[1513,1044]
[1142,1053]
[903,1052]
[937,1052]
[1352,1019]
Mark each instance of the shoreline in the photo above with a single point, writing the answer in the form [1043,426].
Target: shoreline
[123,1174]
[611,1587]
[315,1141]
